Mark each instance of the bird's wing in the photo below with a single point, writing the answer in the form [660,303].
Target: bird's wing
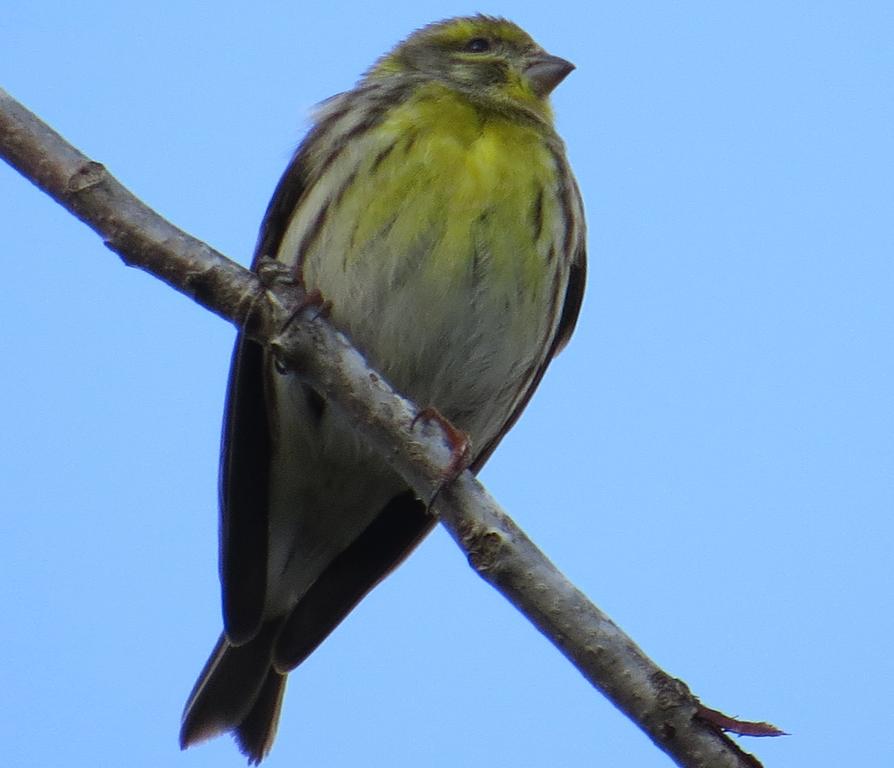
[246,454]
[246,449]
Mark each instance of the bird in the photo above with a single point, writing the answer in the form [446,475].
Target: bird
[434,209]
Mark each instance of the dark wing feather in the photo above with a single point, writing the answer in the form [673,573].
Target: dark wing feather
[574,296]
[399,527]
[244,470]
[285,199]
[246,450]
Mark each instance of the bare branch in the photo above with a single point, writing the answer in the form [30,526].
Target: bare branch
[659,704]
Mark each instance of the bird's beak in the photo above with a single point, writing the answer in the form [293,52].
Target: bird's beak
[546,71]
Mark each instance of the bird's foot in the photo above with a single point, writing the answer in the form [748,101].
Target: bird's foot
[314,298]
[274,273]
[458,441]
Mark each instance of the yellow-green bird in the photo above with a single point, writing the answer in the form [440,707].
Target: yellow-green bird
[434,207]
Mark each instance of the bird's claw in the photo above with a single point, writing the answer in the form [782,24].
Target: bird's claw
[458,441]
[272,273]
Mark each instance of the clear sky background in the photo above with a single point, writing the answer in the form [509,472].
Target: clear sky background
[711,459]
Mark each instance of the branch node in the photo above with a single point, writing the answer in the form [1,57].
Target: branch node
[484,547]
[671,692]
[87,175]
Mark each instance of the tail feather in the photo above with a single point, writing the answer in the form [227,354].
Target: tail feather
[236,691]
[241,687]
[256,732]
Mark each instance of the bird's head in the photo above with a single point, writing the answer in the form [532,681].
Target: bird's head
[492,61]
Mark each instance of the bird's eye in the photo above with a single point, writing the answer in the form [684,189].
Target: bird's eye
[478,45]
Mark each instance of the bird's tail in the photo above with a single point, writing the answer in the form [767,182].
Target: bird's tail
[238,691]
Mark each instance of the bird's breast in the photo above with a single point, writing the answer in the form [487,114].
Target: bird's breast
[436,239]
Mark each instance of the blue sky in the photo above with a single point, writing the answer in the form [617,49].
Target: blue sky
[711,459]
